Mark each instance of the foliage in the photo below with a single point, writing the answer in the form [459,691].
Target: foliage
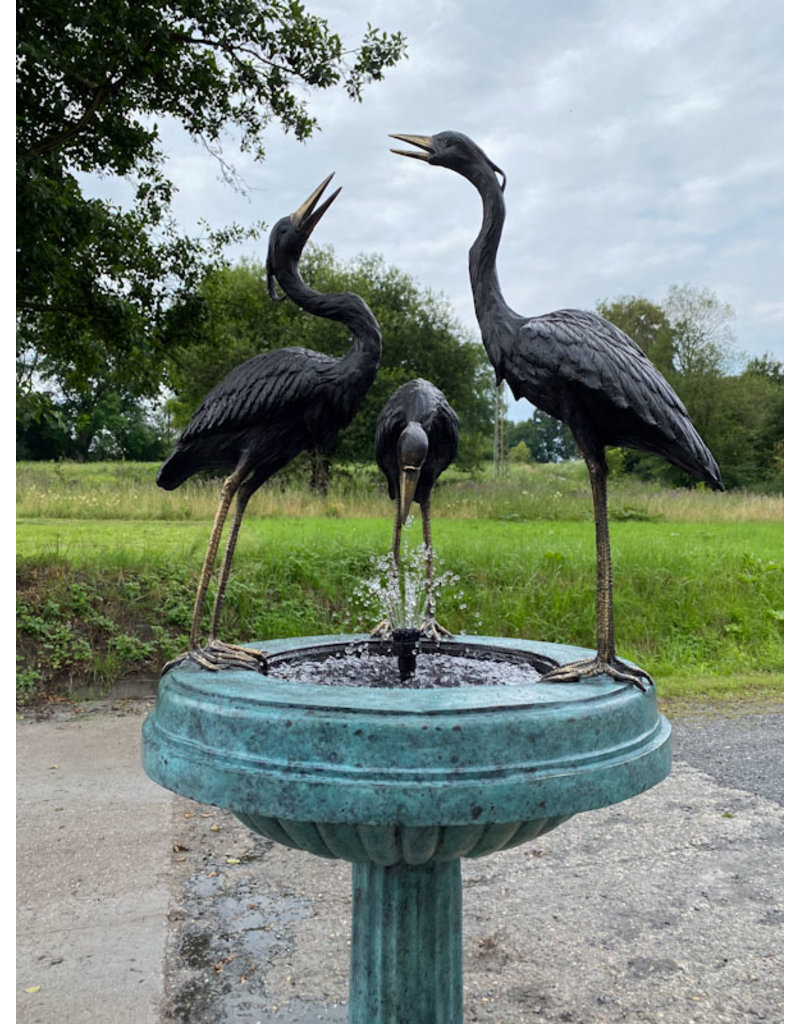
[96,83]
[548,439]
[98,493]
[745,426]
[421,338]
[702,332]
[120,605]
[112,426]
[78,629]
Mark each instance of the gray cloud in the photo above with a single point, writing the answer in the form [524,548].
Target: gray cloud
[642,142]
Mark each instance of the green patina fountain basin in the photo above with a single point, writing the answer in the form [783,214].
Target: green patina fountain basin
[403,783]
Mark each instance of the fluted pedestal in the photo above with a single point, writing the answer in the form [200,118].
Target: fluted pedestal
[405,965]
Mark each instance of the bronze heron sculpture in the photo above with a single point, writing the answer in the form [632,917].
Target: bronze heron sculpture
[579,368]
[268,410]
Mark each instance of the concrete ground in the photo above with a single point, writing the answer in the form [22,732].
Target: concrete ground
[136,906]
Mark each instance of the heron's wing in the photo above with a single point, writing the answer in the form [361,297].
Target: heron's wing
[581,357]
[391,420]
[582,349]
[443,434]
[264,389]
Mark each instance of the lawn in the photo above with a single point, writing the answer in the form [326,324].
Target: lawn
[107,566]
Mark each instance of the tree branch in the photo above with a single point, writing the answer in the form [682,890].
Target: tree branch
[56,141]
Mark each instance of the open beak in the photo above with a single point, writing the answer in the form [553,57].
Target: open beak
[305,218]
[425,143]
[409,476]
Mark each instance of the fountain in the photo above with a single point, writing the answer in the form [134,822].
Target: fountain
[400,773]
[404,781]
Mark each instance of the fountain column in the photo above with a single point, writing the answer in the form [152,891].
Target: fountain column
[405,965]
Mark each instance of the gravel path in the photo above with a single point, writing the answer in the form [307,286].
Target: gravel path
[744,752]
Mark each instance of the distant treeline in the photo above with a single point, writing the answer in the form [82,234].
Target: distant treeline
[105,414]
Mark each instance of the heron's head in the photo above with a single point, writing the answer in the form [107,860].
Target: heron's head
[291,233]
[412,450]
[450,149]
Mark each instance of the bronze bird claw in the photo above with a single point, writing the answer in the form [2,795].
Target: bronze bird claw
[383,631]
[575,671]
[217,655]
[435,631]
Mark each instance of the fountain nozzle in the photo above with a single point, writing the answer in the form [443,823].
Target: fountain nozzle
[404,645]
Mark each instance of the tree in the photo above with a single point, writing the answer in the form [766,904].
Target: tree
[421,338]
[548,439]
[112,426]
[746,426]
[704,351]
[703,335]
[95,83]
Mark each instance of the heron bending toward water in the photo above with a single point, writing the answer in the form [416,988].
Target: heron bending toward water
[416,439]
[577,367]
[268,410]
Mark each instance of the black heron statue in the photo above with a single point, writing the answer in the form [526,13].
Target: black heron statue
[268,410]
[577,367]
[416,439]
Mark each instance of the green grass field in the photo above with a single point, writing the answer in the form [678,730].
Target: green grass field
[698,576]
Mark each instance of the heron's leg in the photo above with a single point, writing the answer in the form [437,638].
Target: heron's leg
[425,509]
[398,531]
[229,488]
[598,478]
[217,654]
[606,661]
[431,628]
[243,495]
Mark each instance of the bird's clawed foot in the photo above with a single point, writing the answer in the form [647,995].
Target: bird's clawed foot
[218,655]
[430,629]
[433,630]
[575,671]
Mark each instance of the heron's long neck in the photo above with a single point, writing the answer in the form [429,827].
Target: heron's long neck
[496,318]
[346,308]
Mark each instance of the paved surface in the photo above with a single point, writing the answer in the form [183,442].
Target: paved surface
[138,906]
[93,860]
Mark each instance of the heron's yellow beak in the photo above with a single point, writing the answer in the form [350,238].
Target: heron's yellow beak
[304,218]
[409,477]
[425,142]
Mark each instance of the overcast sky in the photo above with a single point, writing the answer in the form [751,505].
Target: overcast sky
[643,145]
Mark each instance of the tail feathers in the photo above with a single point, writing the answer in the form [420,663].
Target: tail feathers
[702,467]
[716,482]
[175,471]
[706,468]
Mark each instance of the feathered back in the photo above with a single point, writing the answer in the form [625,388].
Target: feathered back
[421,402]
